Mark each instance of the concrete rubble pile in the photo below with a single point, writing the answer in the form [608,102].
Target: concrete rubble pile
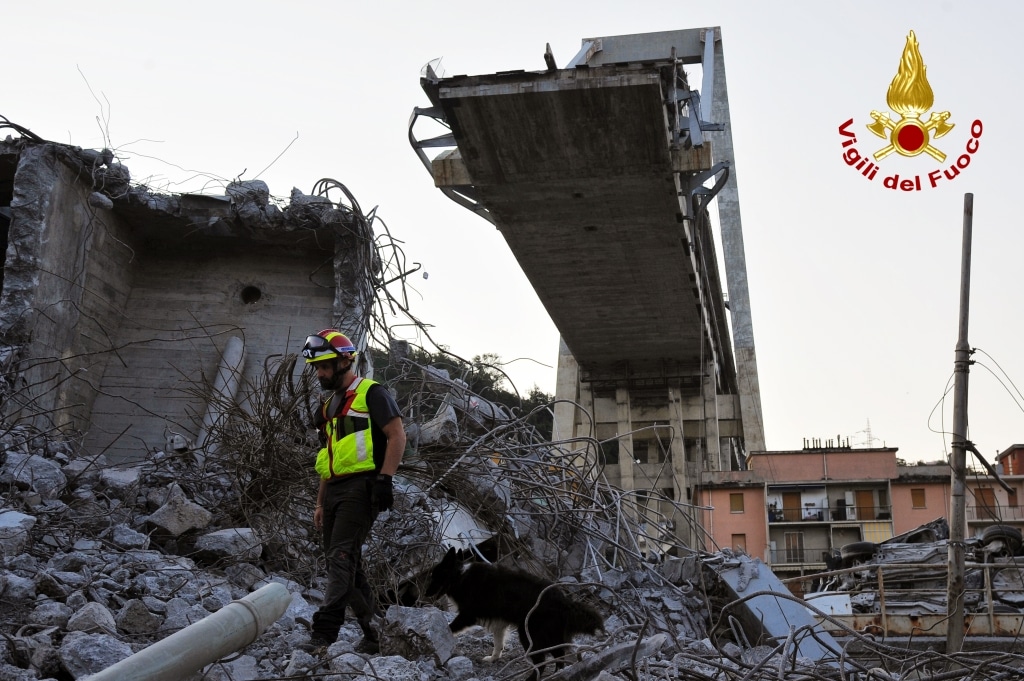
[100,561]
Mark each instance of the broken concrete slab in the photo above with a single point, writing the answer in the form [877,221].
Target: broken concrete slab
[417,632]
[764,606]
[14,529]
[179,514]
[33,472]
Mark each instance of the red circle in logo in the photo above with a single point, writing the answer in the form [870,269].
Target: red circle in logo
[910,138]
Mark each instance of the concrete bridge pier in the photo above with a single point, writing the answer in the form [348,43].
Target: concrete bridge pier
[600,176]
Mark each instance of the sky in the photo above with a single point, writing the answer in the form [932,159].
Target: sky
[854,287]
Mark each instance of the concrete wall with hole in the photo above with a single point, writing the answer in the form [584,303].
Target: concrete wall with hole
[184,307]
[112,315]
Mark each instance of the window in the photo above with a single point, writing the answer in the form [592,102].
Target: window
[641,450]
[985,498]
[647,505]
[605,434]
[739,542]
[736,503]
[794,547]
[1011,498]
[694,448]
[650,442]
[791,506]
[610,453]
[662,500]
[917,497]
[876,531]
[884,512]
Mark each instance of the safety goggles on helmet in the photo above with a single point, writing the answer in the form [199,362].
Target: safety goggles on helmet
[318,347]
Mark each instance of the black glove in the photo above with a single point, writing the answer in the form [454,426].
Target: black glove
[383,497]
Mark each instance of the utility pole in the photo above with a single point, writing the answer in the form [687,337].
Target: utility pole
[958,463]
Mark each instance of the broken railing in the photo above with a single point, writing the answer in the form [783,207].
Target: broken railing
[909,599]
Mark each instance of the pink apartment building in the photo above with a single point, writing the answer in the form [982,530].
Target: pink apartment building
[793,509]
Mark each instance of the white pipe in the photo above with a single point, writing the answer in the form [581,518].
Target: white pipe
[225,386]
[231,628]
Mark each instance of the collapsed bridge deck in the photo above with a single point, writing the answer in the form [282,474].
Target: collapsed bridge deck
[599,176]
[577,170]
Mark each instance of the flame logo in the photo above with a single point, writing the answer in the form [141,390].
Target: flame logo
[910,95]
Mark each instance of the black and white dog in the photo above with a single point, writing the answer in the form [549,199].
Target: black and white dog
[497,597]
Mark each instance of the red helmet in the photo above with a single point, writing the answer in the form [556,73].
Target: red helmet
[327,344]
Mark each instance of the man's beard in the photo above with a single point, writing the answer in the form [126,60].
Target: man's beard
[334,382]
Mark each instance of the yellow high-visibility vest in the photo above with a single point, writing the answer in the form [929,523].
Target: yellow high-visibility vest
[349,447]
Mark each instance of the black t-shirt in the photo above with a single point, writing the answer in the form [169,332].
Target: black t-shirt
[382,408]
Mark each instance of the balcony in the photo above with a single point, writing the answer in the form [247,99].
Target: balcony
[830,514]
[995,514]
[798,555]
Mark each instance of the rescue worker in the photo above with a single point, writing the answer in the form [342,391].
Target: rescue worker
[363,440]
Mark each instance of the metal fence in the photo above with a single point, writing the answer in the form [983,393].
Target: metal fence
[904,599]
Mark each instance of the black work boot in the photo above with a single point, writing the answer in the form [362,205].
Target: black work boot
[317,645]
[371,641]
